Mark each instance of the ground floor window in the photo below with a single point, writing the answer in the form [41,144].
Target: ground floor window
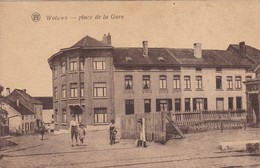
[64,116]
[230,103]
[187,104]
[200,104]
[147,105]
[100,115]
[178,105]
[129,106]
[163,105]
[31,126]
[239,103]
[27,128]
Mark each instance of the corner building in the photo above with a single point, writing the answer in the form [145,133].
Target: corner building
[96,82]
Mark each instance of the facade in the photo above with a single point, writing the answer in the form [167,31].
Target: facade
[47,110]
[4,126]
[97,82]
[21,119]
[28,101]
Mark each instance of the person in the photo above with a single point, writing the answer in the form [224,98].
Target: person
[112,131]
[42,130]
[82,133]
[74,130]
[49,129]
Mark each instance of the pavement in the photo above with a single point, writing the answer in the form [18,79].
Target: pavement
[196,150]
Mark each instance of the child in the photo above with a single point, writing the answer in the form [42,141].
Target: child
[82,133]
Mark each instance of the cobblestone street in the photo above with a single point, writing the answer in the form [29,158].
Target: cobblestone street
[196,150]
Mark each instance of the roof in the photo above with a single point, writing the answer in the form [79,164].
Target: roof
[27,96]
[251,52]
[177,57]
[88,41]
[47,102]
[121,56]
[23,110]
[2,111]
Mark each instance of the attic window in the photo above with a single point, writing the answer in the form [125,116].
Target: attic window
[128,59]
[160,59]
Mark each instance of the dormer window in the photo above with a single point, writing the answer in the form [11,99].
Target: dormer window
[128,59]
[160,59]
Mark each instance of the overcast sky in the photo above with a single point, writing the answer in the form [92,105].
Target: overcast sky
[25,45]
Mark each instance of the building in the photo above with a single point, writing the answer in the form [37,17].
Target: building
[28,101]
[47,110]
[20,118]
[97,82]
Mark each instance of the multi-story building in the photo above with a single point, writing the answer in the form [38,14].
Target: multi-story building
[98,82]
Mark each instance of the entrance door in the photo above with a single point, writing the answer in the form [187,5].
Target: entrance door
[220,104]
[254,103]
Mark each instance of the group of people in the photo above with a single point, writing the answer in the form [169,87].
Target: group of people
[77,131]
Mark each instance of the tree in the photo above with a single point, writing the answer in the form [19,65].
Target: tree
[1,89]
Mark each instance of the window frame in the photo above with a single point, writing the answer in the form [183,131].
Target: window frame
[199,85]
[163,82]
[99,91]
[176,81]
[128,82]
[73,90]
[187,82]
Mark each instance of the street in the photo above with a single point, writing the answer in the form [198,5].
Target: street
[196,150]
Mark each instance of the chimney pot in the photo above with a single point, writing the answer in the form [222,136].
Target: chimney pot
[109,42]
[7,91]
[242,48]
[145,48]
[197,50]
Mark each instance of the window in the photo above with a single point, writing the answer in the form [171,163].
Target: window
[238,82]
[146,82]
[219,103]
[128,82]
[64,116]
[147,105]
[163,105]
[230,103]
[31,126]
[100,89]
[55,71]
[78,117]
[82,92]
[81,64]
[239,103]
[63,91]
[163,82]
[229,82]
[63,67]
[198,82]
[187,82]
[129,107]
[73,90]
[218,82]
[55,93]
[187,104]
[248,78]
[73,65]
[99,65]
[56,116]
[200,104]
[176,82]
[177,105]
[100,115]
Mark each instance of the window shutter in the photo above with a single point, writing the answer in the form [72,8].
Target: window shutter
[157,104]
[194,104]
[170,104]
[205,104]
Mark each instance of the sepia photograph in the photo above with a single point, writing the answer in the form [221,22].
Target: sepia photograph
[140,84]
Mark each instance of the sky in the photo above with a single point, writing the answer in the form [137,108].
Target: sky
[26,45]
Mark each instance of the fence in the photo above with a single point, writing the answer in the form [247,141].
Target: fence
[154,126]
[180,117]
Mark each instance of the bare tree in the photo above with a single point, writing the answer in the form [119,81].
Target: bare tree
[1,89]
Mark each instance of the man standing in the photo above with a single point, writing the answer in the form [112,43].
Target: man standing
[74,130]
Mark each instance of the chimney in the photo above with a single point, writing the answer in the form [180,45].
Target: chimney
[109,42]
[197,50]
[145,48]
[104,39]
[18,102]
[24,90]
[7,91]
[242,49]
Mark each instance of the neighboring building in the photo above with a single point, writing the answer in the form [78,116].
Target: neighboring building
[4,128]
[47,109]
[21,119]
[28,101]
[98,82]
